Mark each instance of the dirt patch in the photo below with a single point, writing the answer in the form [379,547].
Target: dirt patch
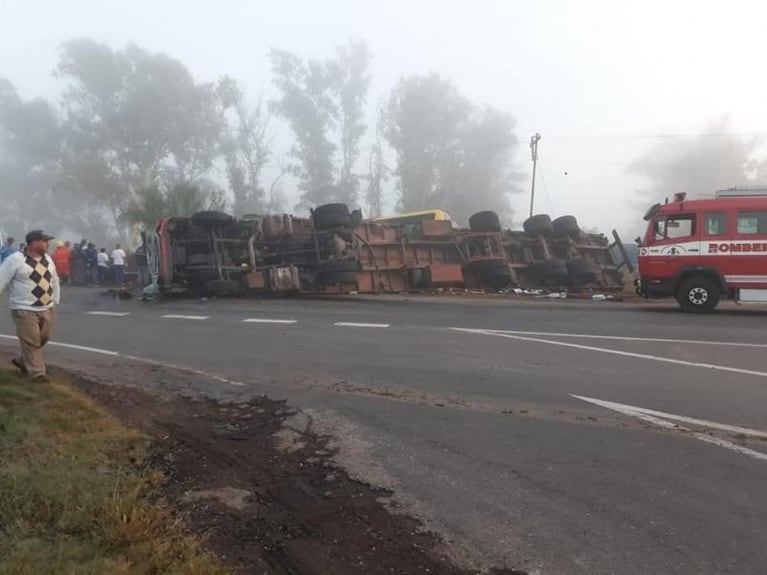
[266,494]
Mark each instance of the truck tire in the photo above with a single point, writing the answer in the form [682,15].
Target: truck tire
[494,274]
[223,288]
[339,272]
[211,219]
[551,272]
[566,226]
[538,225]
[331,216]
[486,221]
[580,272]
[698,294]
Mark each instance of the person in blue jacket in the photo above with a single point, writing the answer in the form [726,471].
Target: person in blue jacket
[92,263]
[7,249]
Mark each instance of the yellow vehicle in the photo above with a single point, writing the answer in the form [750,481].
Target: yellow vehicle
[411,218]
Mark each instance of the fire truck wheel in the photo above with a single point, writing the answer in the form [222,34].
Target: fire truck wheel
[698,294]
[566,226]
[211,219]
[580,272]
[493,273]
[331,216]
[538,225]
[223,288]
[485,222]
[340,272]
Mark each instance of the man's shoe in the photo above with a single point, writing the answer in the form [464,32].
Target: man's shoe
[39,379]
[20,365]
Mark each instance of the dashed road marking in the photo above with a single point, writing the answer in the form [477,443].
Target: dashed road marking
[109,313]
[622,338]
[659,418]
[192,317]
[357,324]
[269,320]
[607,350]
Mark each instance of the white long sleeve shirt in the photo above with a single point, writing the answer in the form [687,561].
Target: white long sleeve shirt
[33,283]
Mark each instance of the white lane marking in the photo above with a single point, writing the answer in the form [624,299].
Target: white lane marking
[356,324]
[176,316]
[84,348]
[732,446]
[140,359]
[657,358]
[624,408]
[639,413]
[109,313]
[622,338]
[73,346]
[267,320]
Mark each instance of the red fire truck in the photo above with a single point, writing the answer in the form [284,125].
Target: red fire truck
[700,250]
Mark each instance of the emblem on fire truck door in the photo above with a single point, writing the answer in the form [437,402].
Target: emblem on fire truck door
[673,251]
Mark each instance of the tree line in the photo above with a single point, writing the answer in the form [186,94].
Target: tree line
[135,136]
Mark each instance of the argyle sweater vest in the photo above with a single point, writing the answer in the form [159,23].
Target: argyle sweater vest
[42,279]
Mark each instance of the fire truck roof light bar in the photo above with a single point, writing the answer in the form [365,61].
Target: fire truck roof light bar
[743,191]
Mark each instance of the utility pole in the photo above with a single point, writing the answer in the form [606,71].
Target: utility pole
[534,152]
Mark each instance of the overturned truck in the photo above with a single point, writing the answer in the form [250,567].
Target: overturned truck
[432,254]
[213,253]
[336,251]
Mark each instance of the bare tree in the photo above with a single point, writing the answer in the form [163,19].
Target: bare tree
[323,102]
[247,147]
[276,196]
[351,83]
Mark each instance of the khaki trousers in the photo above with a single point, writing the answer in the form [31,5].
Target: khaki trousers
[33,329]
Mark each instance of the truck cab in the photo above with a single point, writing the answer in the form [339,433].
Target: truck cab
[699,251]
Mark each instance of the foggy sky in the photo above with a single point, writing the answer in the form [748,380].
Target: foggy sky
[600,80]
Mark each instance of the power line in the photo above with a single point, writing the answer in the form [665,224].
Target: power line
[545,187]
[657,136]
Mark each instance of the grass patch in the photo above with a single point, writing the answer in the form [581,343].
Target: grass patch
[76,495]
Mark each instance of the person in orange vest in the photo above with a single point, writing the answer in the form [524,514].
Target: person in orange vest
[61,257]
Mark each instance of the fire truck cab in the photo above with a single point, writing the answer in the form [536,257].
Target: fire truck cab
[701,250]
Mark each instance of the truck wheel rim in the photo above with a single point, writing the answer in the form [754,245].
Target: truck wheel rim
[698,296]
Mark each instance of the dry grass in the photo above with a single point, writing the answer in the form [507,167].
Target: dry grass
[76,496]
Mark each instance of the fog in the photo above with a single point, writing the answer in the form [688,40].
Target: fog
[634,101]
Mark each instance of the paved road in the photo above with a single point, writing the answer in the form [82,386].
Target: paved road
[478,426]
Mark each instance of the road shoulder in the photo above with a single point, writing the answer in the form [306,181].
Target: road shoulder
[251,477]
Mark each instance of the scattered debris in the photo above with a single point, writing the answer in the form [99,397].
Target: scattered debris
[272,510]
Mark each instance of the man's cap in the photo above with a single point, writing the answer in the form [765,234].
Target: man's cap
[36,235]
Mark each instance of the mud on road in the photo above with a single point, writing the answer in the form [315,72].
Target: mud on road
[266,495]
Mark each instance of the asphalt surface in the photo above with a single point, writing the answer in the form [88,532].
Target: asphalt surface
[478,429]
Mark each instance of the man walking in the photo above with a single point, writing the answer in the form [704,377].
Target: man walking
[7,249]
[118,261]
[34,293]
